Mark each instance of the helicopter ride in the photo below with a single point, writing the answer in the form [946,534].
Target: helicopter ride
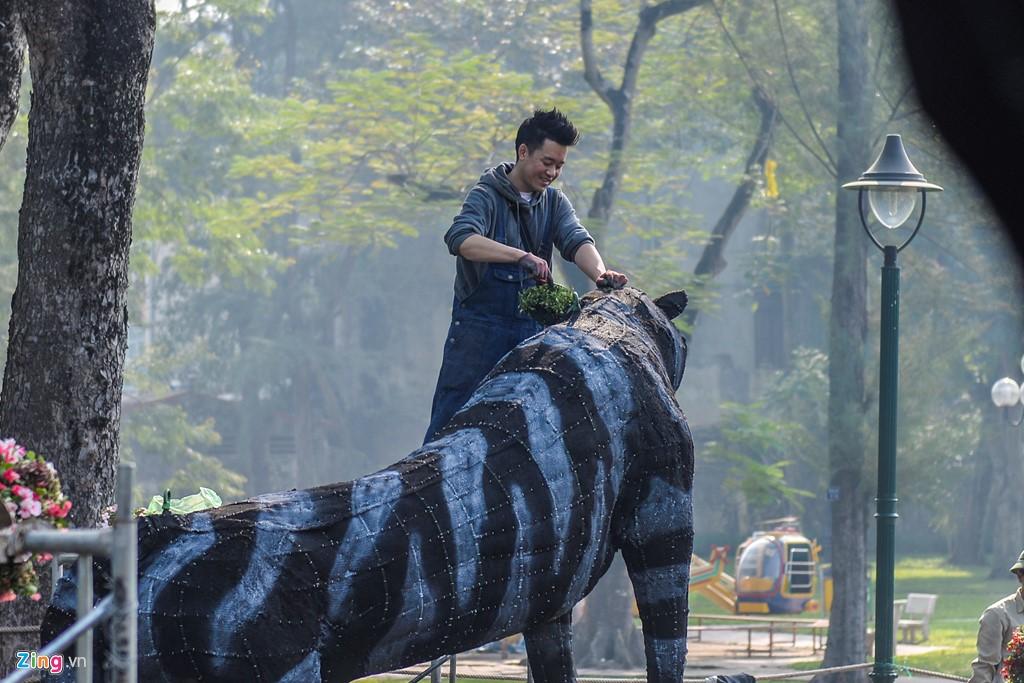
[777,570]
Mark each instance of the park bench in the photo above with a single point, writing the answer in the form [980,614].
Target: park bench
[917,613]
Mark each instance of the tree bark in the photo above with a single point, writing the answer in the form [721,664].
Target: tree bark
[606,635]
[968,546]
[12,60]
[847,334]
[68,331]
[1008,527]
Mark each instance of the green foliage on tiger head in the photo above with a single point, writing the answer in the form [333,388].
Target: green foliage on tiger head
[549,304]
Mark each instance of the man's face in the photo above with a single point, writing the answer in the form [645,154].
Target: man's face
[542,166]
[1020,576]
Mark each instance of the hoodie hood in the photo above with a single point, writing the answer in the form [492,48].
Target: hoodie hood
[498,179]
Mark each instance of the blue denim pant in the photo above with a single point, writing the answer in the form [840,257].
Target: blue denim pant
[485,326]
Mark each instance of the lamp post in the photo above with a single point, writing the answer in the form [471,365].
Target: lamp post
[891,186]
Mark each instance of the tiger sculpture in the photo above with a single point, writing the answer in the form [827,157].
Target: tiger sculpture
[571,449]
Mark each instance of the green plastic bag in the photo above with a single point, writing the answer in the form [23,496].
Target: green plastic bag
[205,499]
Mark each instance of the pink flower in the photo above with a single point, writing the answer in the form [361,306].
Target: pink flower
[11,452]
[35,596]
[30,508]
[8,596]
[10,476]
[21,491]
[44,557]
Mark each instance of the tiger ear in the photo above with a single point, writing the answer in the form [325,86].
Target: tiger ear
[672,303]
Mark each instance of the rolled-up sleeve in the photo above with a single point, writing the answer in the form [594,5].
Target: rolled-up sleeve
[476,215]
[990,649]
[570,234]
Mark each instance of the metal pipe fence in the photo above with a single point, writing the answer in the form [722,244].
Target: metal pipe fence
[119,608]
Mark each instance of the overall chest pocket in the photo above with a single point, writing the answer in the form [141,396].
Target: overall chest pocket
[510,273]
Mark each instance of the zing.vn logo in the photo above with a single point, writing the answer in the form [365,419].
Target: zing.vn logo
[28,659]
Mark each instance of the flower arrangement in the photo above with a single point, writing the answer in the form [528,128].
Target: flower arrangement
[1013,665]
[29,490]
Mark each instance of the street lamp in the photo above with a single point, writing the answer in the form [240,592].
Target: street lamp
[1006,393]
[892,186]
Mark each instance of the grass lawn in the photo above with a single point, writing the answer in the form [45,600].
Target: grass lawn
[964,592]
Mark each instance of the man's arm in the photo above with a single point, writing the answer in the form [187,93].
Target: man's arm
[990,649]
[589,260]
[484,249]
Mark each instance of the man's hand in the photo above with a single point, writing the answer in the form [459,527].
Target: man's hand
[536,267]
[611,279]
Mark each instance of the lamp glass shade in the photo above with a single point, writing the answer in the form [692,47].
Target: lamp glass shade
[1005,393]
[892,206]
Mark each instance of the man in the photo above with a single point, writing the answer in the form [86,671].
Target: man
[996,626]
[503,240]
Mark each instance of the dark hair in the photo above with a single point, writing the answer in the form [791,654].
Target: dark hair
[546,125]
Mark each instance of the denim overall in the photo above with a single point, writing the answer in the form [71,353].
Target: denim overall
[485,326]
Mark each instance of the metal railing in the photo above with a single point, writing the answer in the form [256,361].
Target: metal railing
[120,607]
[434,671]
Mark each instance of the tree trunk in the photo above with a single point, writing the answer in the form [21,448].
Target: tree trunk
[1008,527]
[68,332]
[847,334]
[968,546]
[606,635]
[712,259]
[12,59]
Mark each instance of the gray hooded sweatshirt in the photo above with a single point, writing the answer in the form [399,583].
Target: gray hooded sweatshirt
[494,198]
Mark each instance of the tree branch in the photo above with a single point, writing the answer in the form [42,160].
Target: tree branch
[591,72]
[12,59]
[711,261]
[645,30]
[796,87]
[894,108]
[620,100]
[830,168]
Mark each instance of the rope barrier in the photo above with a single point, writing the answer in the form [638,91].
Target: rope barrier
[707,679]
[14,630]
[813,672]
[935,674]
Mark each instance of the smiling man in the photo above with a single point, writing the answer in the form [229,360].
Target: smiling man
[503,240]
